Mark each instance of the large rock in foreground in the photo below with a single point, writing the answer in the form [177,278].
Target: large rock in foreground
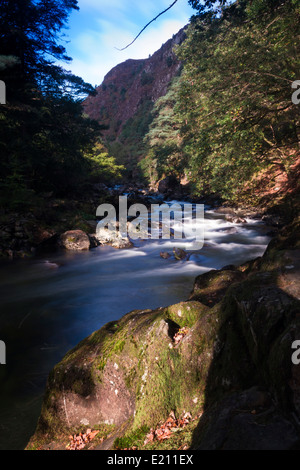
[132,368]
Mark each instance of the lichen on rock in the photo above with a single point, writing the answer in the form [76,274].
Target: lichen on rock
[75,240]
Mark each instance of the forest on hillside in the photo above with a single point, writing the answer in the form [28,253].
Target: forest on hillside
[225,121]
[230,115]
[47,143]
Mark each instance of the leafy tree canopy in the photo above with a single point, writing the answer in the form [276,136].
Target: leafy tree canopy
[31,42]
[44,134]
[233,106]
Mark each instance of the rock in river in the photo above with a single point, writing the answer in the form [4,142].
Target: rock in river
[75,240]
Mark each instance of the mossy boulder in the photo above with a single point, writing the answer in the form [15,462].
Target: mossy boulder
[132,369]
[209,288]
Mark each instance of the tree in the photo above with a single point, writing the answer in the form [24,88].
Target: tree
[235,105]
[208,7]
[103,167]
[163,141]
[43,132]
[231,115]
[31,34]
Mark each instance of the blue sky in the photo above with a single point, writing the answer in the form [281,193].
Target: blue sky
[101,26]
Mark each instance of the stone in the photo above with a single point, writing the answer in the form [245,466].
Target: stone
[164,255]
[75,240]
[179,253]
[233,425]
[122,243]
[112,237]
[235,220]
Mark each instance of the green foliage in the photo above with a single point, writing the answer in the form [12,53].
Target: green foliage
[137,126]
[44,133]
[208,8]
[102,166]
[129,148]
[42,146]
[133,438]
[31,33]
[235,100]
[230,116]
[163,141]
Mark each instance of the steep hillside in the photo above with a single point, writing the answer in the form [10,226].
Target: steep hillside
[126,97]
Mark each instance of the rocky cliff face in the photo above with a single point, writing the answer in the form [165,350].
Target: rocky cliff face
[132,84]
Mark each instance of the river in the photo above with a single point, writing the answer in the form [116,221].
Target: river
[50,303]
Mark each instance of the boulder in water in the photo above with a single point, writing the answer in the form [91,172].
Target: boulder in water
[75,240]
[235,220]
[105,236]
[179,253]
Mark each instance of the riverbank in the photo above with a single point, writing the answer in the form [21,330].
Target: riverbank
[27,233]
[46,226]
[222,357]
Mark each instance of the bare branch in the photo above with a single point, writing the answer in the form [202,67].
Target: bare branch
[147,26]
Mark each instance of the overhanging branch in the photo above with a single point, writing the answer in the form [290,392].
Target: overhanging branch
[161,13]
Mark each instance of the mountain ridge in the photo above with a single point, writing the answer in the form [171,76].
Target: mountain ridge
[131,85]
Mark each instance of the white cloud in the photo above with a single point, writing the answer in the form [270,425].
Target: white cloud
[96,62]
[94,40]
[101,6]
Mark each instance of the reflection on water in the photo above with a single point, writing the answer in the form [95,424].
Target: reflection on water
[49,304]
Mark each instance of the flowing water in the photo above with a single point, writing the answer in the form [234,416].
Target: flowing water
[49,304]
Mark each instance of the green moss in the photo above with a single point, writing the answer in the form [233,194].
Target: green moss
[130,378]
[118,346]
[61,440]
[180,439]
[133,438]
[101,363]
[175,372]
[185,314]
